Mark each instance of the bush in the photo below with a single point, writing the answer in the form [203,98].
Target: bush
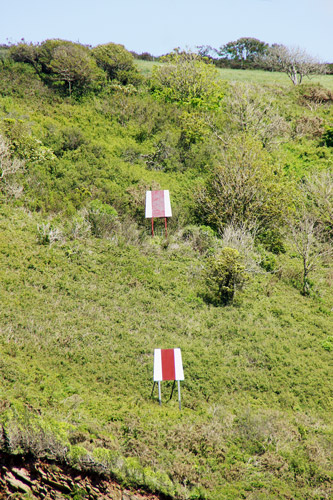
[102,218]
[327,137]
[202,238]
[47,234]
[117,62]
[226,274]
[244,189]
[328,344]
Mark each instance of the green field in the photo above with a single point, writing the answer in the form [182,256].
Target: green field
[248,75]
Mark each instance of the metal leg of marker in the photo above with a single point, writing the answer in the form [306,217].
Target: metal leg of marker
[152,392]
[173,386]
[180,404]
[159,393]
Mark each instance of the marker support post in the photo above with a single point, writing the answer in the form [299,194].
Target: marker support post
[179,400]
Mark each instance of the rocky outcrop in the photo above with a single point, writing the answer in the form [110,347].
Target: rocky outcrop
[32,478]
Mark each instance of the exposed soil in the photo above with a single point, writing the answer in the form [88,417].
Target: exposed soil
[23,476]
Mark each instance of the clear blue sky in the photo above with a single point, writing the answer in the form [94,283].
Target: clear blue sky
[158,26]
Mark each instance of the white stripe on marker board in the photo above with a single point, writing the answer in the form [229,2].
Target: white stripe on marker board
[157,365]
[178,364]
[149,208]
[167,205]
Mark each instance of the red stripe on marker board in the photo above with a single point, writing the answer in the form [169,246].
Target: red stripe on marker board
[168,364]
[157,202]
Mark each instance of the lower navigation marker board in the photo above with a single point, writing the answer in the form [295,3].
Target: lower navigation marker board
[168,365]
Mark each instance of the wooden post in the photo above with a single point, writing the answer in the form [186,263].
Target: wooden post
[159,393]
[152,226]
[166,227]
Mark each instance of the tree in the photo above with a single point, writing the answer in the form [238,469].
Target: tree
[245,187]
[251,109]
[74,66]
[45,53]
[295,62]
[187,79]
[318,192]
[243,50]
[24,52]
[117,62]
[308,240]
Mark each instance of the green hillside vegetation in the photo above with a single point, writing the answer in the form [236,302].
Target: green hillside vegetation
[242,283]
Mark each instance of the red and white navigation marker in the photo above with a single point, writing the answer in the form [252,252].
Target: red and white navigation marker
[168,365]
[157,206]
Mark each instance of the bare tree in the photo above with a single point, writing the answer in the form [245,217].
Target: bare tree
[318,190]
[251,109]
[9,168]
[307,238]
[295,62]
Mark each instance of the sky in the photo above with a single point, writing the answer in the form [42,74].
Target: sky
[159,26]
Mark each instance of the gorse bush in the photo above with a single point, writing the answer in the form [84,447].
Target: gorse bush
[226,274]
[102,218]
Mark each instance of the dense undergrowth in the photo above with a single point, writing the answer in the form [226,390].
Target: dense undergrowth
[87,293]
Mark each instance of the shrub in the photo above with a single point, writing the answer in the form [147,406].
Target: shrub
[186,79]
[244,188]
[328,344]
[47,234]
[226,274]
[328,137]
[10,168]
[202,238]
[241,239]
[117,62]
[102,218]
[314,95]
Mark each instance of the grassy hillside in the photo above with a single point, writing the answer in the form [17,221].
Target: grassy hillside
[87,293]
[79,322]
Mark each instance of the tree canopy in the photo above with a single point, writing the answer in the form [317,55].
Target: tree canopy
[243,49]
[116,61]
[72,65]
[186,78]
